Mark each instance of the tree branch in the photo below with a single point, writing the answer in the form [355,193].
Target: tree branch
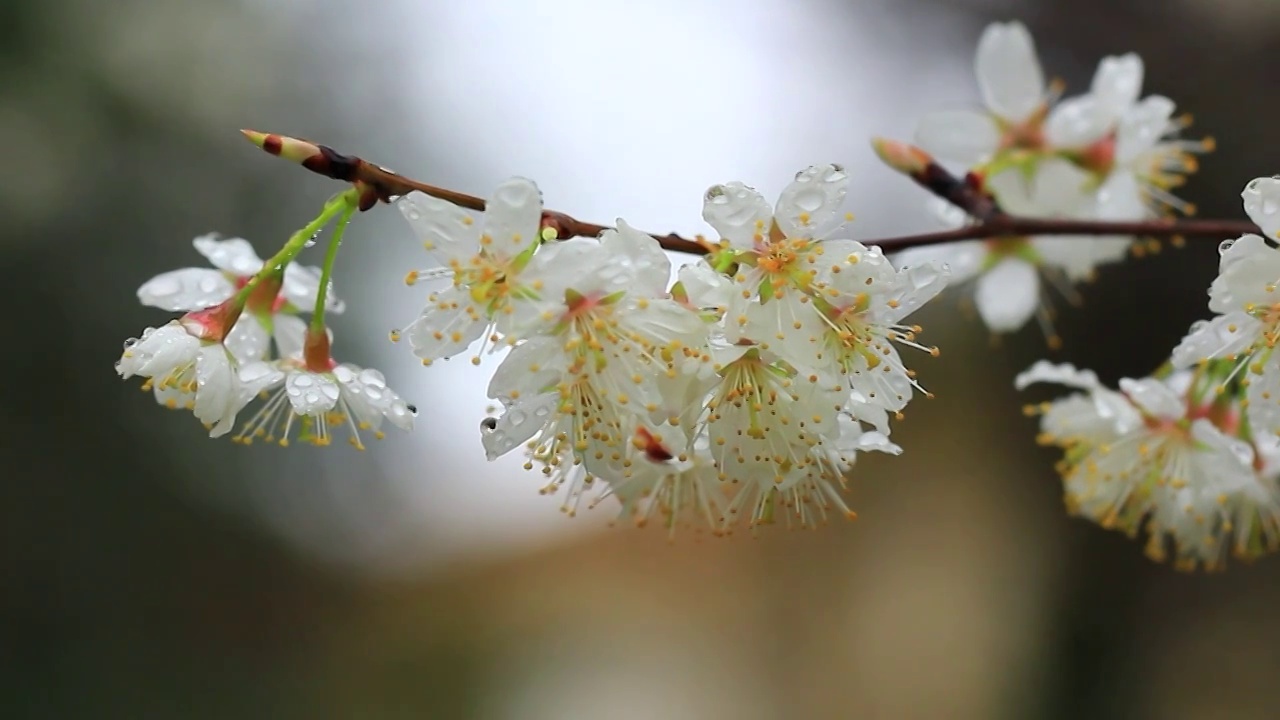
[378,184]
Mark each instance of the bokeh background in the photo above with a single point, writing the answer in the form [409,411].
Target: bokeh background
[148,572]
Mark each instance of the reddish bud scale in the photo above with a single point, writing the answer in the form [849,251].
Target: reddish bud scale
[266,297]
[213,324]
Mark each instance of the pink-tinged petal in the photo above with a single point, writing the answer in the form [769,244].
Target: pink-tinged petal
[447,326]
[812,204]
[1262,202]
[186,290]
[1222,337]
[248,340]
[1143,126]
[290,333]
[447,231]
[739,213]
[233,255]
[513,216]
[964,136]
[1008,70]
[1008,295]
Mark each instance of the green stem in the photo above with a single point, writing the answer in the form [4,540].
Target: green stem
[330,256]
[336,205]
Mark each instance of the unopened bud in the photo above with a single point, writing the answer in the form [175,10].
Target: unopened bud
[289,148]
[901,156]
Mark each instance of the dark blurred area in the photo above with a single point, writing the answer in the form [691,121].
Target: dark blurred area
[147,571]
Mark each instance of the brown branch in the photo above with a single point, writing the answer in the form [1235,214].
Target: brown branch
[378,184]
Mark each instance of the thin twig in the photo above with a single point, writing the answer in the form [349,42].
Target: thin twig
[378,184]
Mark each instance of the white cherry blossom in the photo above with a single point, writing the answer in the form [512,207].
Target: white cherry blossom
[484,260]
[1164,457]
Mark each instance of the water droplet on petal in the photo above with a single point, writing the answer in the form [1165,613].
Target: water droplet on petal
[516,416]
[330,391]
[1224,246]
[164,286]
[208,284]
[413,410]
[303,381]
[130,343]
[312,398]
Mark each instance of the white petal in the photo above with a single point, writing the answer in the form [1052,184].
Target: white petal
[812,204]
[1248,274]
[1078,121]
[257,376]
[913,287]
[186,290]
[446,230]
[216,390]
[1118,82]
[1263,393]
[738,213]
[302,284]
[519,423]
[1008,295]
[964,136]
[1262,202]
[1154,397]
[962,260]
[878,442]
[705,287]
[158,352]
[513,216]
[400,413]
[1058,374]
[1008,71]
[1221,337]
[234,255]
[1143,126]
[528,369]
[650,265]
[1076,256]
[290,334]
[1119,198]
[248,340]
[1056,188]
[311,393]
[447,326]
[1227,448]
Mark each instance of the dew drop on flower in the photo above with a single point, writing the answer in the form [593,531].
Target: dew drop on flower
[208,285]
[810,200]
[130,343]
[330,391]
[413,410]
[303,381]
[1225,245]
[165,286]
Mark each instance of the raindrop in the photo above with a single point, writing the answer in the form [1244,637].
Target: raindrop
[411,212]
[344,374]
[541,411]
[1224,246]
[810,200]
[208,284]
[1269,206]
[312,397]
[488,424]
[303,381]
[516,416]
[130,343]
[164,286]
[311,241]
[330,391]
[413,410]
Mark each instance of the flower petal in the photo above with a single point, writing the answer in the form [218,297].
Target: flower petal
[1118,82]
[1008,295]
[302,284]
[234,255]
[159,351]
[738,213]
[248,340]
[1143,126]
[290,333]
[1154,397]
[528,369]
[186,290]
[1008,70]
[811,205]
[1222,337]
[311,393]
[519,423]
[446,230]
[513,216]
[650,264]
[705,287]
[1262,202]
[447,326]
[1263,393]
[216,390]
[1058,374]
[1078,121]
[964,136]
[961,260]
[1248,274]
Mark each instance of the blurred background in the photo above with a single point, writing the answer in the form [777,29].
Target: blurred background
[148,572]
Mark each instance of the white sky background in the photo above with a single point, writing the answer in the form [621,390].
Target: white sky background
[614,108]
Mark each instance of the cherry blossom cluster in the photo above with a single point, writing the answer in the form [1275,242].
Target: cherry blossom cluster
[1108,154]
[738,388]
[1190,455]
[740,392]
